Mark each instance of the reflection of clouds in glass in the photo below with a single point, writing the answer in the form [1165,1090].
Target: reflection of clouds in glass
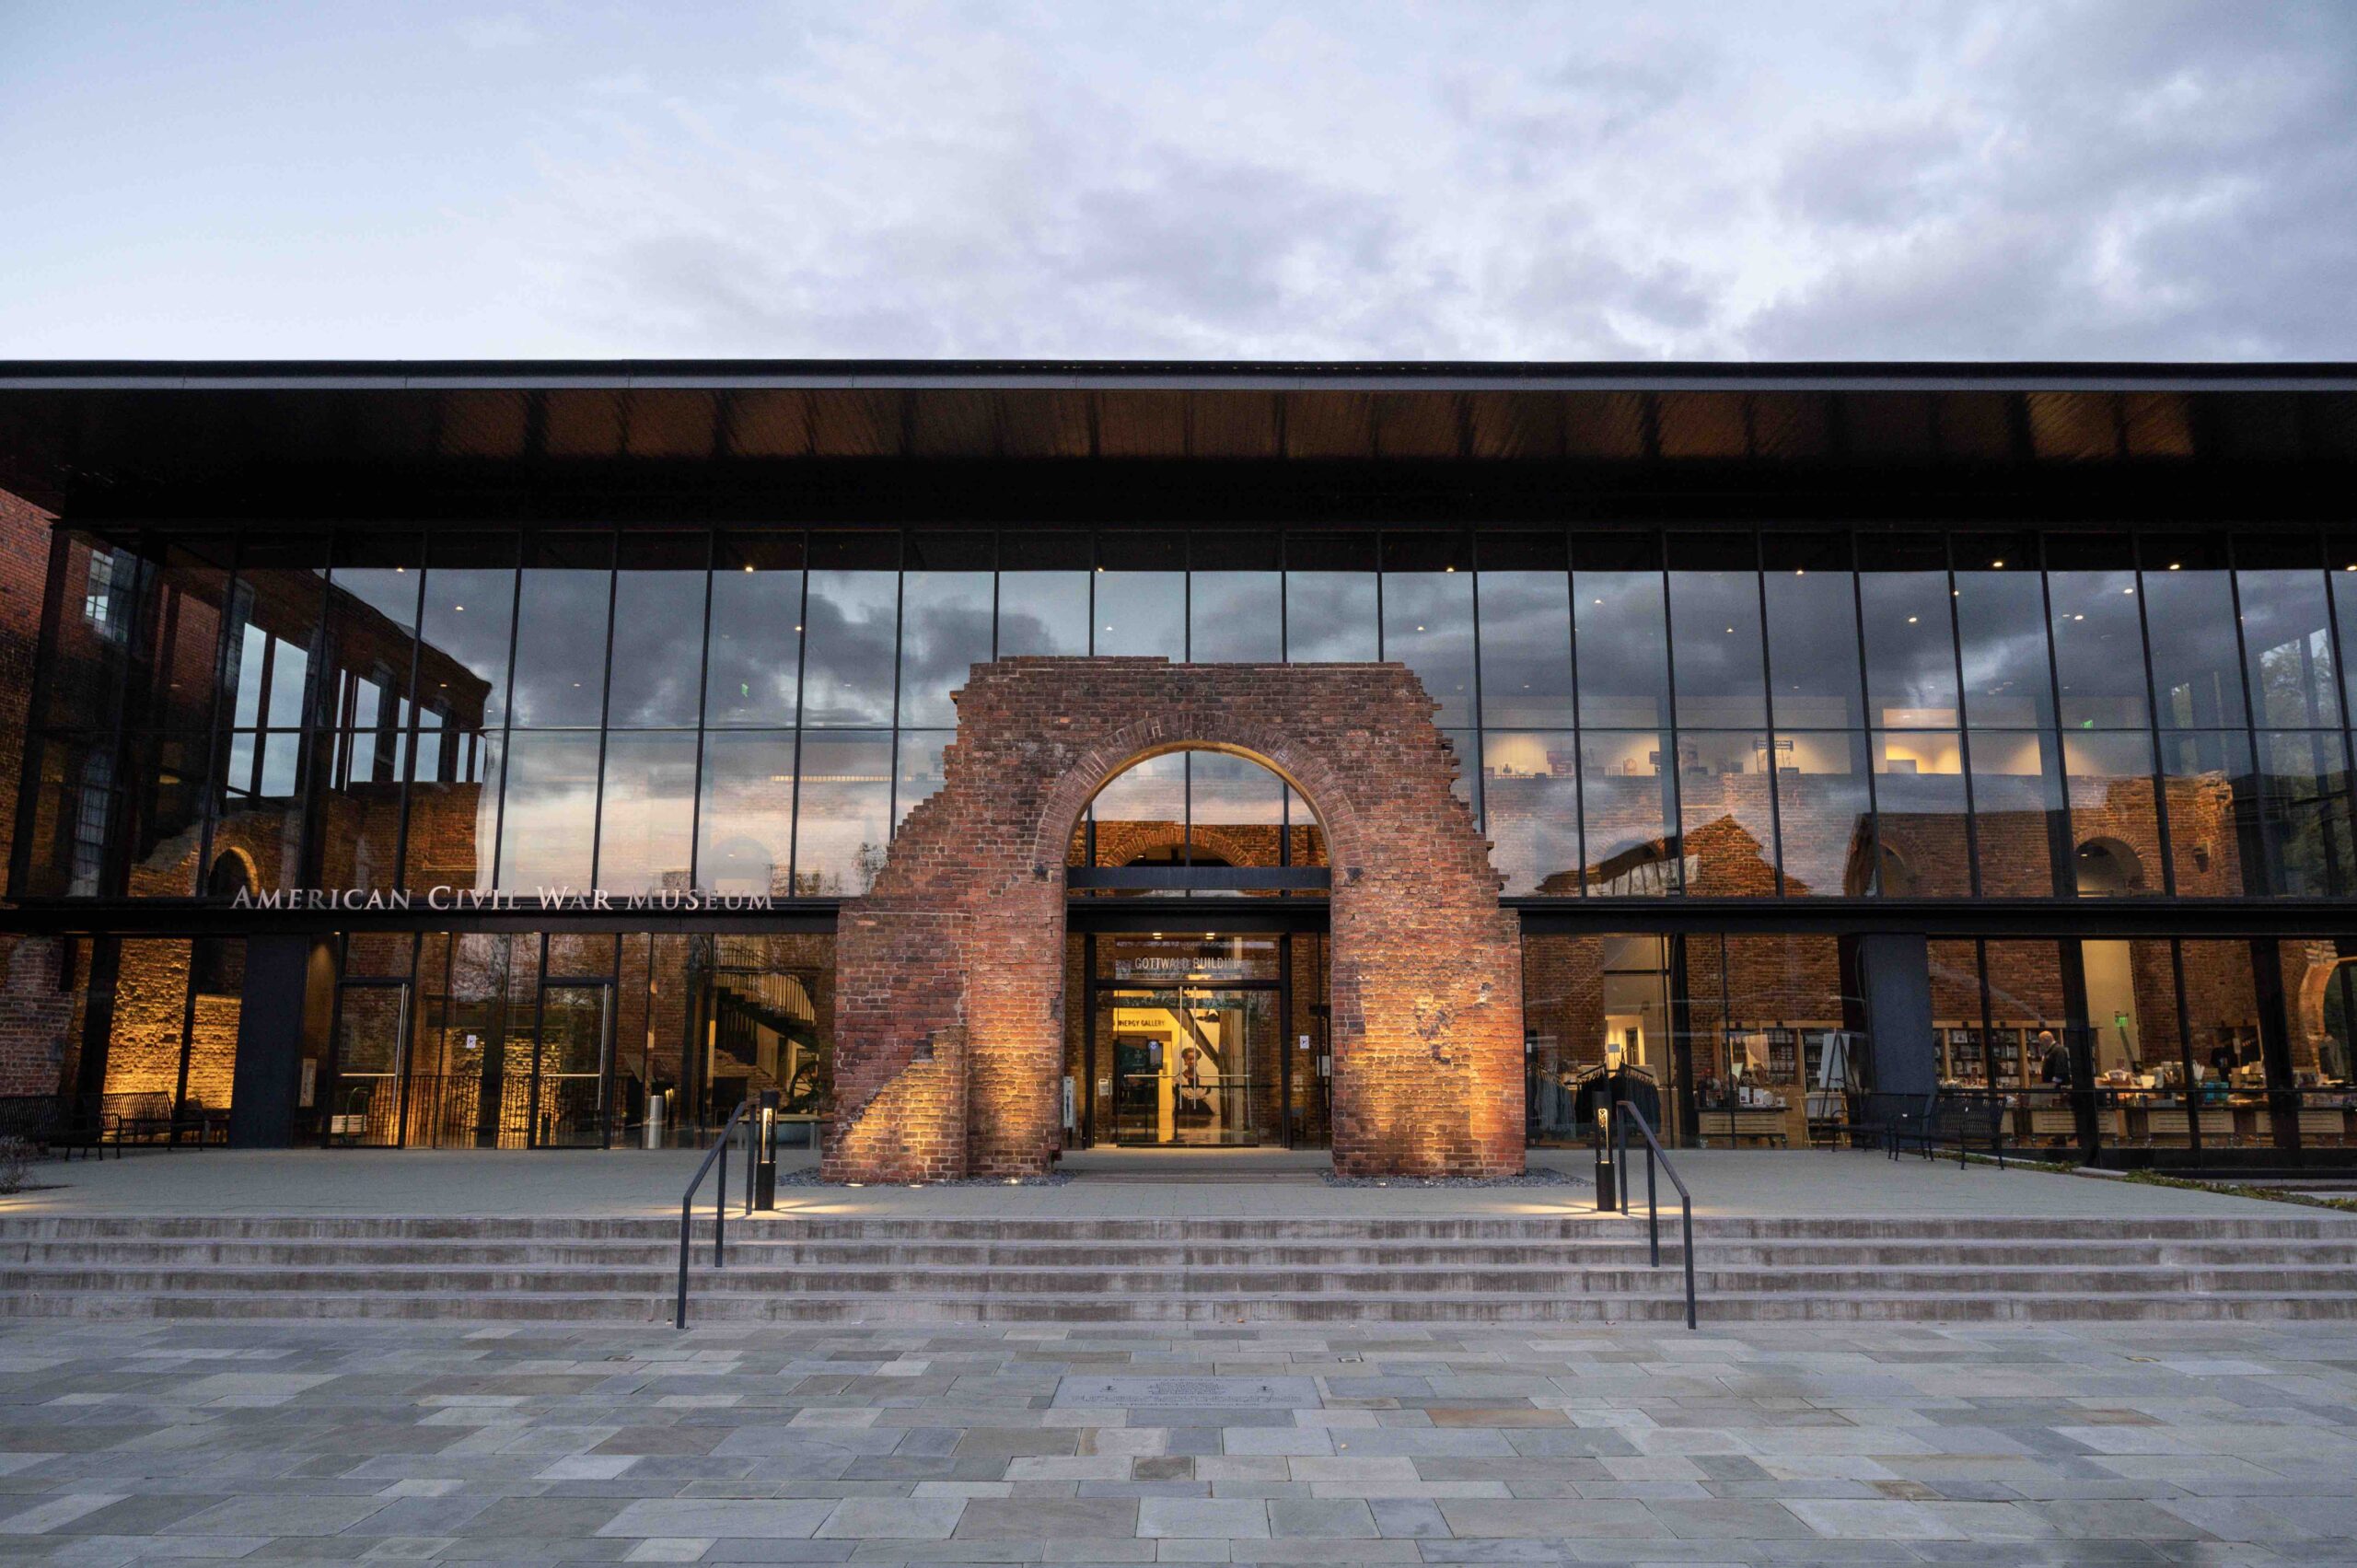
[853,622]
[1910,655]
[946,630]
[1525,648]
[658,637]
[468,613]
[1142,613]
[1331,618]
[1428,627]
[561,647]
[1623,646]
[1716,617]
[755,648]
[1238,618]
[2001,615]
[1042,612]
[550,816]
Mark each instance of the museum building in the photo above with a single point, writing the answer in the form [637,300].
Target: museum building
[1002,759]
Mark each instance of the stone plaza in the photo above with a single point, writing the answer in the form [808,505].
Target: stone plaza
[456,1442]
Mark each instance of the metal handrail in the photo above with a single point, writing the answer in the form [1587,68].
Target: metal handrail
[1626,1113]
[719,1205]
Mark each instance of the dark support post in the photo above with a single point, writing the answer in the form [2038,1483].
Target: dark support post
[270,1016]
[765,1147]
[1895,974]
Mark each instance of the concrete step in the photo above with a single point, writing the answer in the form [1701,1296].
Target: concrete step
[451,1277]
[1665,1307]
[1547,1267]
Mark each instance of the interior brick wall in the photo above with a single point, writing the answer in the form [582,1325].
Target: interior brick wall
[35,1011]
[951,995]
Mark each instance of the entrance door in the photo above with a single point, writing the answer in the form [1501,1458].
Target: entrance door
[1193,1066]
[371,1043]
[577,1039]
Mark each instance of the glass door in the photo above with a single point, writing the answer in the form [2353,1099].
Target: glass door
[569,1083]
[371,1042]
[1193,1066]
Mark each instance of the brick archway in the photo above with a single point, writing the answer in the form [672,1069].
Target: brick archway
[950,972]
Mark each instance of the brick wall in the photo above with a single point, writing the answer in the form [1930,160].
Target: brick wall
[35,1013]
[951,998]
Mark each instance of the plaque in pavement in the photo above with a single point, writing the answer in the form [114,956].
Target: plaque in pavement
[1290,1393]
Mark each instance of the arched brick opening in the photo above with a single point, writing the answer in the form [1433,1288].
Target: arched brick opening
[950,970]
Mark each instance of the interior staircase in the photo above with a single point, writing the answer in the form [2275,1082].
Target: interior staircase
[1577,1268]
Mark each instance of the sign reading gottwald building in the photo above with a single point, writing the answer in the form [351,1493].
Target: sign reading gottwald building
[497,747]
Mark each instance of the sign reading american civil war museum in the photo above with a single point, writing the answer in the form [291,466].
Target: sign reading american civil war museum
[478,898]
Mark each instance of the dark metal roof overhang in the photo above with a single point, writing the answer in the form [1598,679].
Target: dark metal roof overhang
[1044,441]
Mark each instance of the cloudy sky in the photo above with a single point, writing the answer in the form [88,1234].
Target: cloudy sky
[1954,179]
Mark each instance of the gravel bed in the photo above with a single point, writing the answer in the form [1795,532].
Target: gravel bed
[1537,1175]
[808,1176]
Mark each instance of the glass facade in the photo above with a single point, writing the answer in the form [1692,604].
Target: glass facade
[1709,715]
[1941,717]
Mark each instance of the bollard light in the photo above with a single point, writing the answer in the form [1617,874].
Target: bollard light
[1608,1191]
[765,1153]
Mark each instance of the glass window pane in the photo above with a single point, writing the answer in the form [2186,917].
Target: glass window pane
[1714,626]
[1428,618]
[2190,605]
[2222,1034]
[1043,593]
[2305,791]
[2000,619]
[1141,816]
[549,822]
[371,638]
[2214,813]
[1525,613]
[469,607]
[2017,812]
[1812,631]
[1530,785]
[1331,599]
[853,616]
[755,640]
[453,803]
[658,629]
[561,631]
[1623,648]
[1142,594]
[1238,618]
[2099,637]
[844,818]
[2115,826]
[1235,810]
[744,836]
[1235,598]
[1627,808]
[1825,813]
[919,765]
[2288,643]
[944,631]
[1909,634]
[1921,849]
[1727,830]
[645,834]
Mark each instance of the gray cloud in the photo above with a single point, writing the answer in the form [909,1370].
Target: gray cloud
[1510,178]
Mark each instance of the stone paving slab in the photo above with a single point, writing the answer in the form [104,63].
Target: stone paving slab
[461,1442]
